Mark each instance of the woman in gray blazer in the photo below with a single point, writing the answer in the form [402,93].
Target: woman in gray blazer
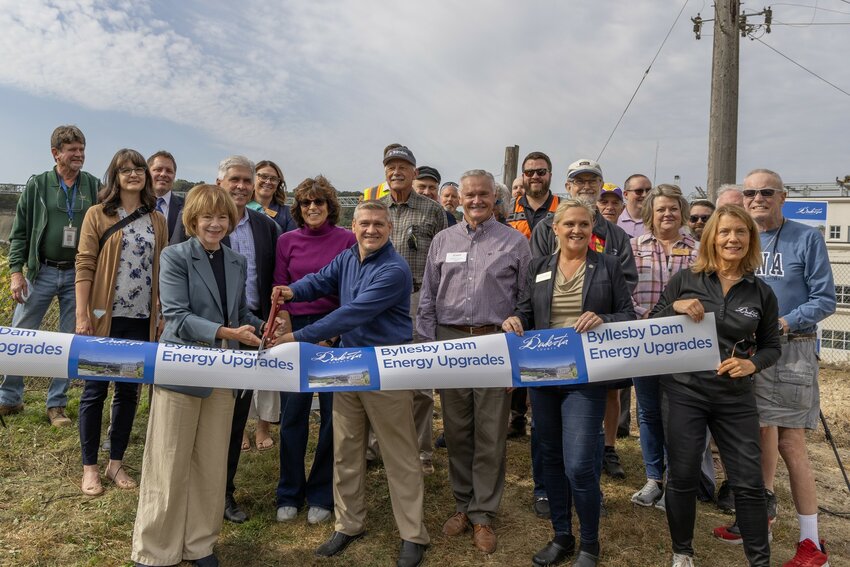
[579,288]
[202,293]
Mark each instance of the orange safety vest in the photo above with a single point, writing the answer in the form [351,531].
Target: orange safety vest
[377,192]
[518,219]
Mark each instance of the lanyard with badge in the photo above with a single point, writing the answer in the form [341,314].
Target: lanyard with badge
[69,233]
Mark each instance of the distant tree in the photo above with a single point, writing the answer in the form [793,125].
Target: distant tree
[182,186]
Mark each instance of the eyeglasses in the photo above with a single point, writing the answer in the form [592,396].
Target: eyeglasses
[411,238]
[532,172]
[639,192]
[736,346]
[266,177]
[585,182]
[751,193]
[700,218]
[305,203]
[129,170]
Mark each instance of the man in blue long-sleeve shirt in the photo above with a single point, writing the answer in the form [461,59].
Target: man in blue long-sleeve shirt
[796,267]
[373,283]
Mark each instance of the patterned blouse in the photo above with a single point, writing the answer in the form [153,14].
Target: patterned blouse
[134,282]
[655,267]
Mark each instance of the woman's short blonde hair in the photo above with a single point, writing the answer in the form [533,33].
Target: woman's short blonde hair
[671,192]
[707,256]
[208,200]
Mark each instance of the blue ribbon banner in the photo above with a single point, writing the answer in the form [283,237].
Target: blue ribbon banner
[552,357]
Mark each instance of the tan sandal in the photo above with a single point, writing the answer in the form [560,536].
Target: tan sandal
[94,488]
[124,482]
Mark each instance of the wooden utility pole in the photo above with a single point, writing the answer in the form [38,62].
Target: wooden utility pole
[511,164]
[723,126]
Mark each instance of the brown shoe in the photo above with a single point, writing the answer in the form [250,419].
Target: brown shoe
[57,417]
[11,409]
[456,525]
[484,538]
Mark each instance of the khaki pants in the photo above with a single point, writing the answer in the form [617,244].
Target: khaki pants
[391,416]
[475,421]
[181,498]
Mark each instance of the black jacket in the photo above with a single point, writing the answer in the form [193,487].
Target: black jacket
[616,244]
[604,291]
[175,210]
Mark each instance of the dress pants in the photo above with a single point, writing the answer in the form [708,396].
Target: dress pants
[391,415]
[234,445]
[183,475]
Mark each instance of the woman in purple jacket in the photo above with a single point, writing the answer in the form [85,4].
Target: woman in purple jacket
[301,252]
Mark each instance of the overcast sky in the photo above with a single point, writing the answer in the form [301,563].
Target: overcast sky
[322,86]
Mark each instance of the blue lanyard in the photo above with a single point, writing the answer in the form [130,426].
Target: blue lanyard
[69,200]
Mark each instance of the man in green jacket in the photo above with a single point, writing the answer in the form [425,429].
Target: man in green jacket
[44,239]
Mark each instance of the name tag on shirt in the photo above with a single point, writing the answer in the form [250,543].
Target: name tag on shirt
[681,252]
[543,277]
[454,257]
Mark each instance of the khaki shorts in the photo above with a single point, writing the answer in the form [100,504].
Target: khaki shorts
[787,393]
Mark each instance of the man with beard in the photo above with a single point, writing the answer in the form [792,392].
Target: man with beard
[701,210]
[538,202]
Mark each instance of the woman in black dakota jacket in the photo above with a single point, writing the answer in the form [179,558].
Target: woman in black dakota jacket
[721,281]
[575,287]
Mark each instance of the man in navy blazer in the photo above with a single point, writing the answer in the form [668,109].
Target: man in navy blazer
[255,238]
[163,168]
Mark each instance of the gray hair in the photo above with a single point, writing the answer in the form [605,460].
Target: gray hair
[234,161]
[503,198]
[479,173]
[726,187]
[372,206]
[768,172]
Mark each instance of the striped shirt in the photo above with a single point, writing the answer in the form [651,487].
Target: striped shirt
[472,277]
[242,241]
[655,267]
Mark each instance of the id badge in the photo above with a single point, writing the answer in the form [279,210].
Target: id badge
[69,237]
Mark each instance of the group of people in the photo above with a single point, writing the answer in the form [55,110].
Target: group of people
[128,258]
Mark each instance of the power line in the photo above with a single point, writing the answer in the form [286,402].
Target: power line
[645,73]
[836,87]
[801,25]
[816,7]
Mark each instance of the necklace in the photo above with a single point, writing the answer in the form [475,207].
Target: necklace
[210,253]
[728,278]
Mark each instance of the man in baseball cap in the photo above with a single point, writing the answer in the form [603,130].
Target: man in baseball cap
[610,203]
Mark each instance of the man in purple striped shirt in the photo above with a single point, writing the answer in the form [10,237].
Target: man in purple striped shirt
[474,274]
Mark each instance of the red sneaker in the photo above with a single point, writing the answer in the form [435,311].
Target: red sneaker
[809,555]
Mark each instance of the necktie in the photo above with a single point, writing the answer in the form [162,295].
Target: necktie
[159,204]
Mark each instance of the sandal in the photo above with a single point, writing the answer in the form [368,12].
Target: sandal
[93,487]
[246,444]
[265,444]
[124,482]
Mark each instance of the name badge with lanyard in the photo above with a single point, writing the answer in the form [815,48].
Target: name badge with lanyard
[69,233]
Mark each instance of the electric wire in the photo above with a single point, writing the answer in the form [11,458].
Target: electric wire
[642,79]
[836,87]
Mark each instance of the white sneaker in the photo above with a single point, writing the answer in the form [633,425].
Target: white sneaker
[648,495]
[680,560]
[286,513]
[316,515]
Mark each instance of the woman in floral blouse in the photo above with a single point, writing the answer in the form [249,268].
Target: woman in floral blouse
[116,289]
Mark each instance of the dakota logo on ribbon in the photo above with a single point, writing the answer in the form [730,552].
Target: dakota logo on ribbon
[552,357]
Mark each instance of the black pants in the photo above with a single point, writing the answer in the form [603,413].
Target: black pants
[733,421]
[123,404]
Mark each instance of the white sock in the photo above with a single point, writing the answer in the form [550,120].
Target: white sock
[809,528]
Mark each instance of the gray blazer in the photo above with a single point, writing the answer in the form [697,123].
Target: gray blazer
[191,304]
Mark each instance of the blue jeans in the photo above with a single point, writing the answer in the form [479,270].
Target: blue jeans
[294,487]
[648,392]
[50,282]
[569,423]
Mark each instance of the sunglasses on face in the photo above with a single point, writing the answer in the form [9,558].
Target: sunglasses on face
[307,202]
[750,193]
[639,192]
[539,172]
[699,218]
